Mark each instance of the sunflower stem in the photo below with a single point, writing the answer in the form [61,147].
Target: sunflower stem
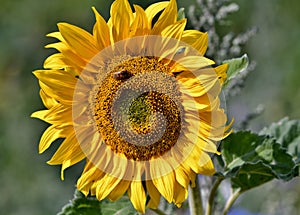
[231,200]
[157,211]
[212,195]
[195,200]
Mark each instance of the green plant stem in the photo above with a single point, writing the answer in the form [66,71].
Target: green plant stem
[212,195]
[159,212]
[195,200]
[231,200]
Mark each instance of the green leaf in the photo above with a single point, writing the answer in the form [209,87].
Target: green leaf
[181,14]
[235,67]
[251,160]
[287,133]
[82,205]
[121,207]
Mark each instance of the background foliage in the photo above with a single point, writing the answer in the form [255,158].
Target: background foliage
[31,187]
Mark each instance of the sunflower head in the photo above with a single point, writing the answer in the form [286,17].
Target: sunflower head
[137,100]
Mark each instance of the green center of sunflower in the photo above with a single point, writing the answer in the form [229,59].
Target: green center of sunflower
[139,114]
[137,109]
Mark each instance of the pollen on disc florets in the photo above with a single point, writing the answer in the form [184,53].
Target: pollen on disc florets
[137,109]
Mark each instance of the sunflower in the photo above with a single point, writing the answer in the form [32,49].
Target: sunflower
[137,100]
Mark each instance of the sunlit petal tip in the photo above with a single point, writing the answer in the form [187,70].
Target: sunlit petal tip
[50,162]
[56,35]
[36,72]
[85,192]
[39,114]
[95,11]
[33,115]
[218,153]
[62,174]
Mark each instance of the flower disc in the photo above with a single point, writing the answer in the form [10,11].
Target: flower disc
[135,108]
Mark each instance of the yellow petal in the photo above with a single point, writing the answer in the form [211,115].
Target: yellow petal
[175,30]
[207,169]
[154,9]
[88,177]
[74,60]
[55,95]
[68,154]
[182,177]
[165,185]
[213,120]
[196,39]
[106,185]
[59,114]
[72,158]
[207,146]
[191,174]
[101,31]
[59,82]
[64,149]
[56,61]
[48,101]
[209,100]
[180,194]
[168,17]
[199,82]
[140,25]
[190,102]
[79,40]
[56,35]
[154,195]
[137,196]
[119,192]
[121,19]
[200,162]
[192,63]
[51,134]
[221,72]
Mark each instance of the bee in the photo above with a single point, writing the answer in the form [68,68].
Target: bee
[121,75]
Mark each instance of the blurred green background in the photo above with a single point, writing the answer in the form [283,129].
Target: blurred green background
[31,187]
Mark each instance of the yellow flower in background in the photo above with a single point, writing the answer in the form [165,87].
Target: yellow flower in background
[137,100]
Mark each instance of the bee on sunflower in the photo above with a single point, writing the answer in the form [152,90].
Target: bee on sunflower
[137,100]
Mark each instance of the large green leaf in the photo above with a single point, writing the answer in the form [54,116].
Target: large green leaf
[82,205]
[251,160]
[287,133]
[235,67]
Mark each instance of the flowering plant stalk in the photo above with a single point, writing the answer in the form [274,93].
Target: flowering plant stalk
[139,100]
